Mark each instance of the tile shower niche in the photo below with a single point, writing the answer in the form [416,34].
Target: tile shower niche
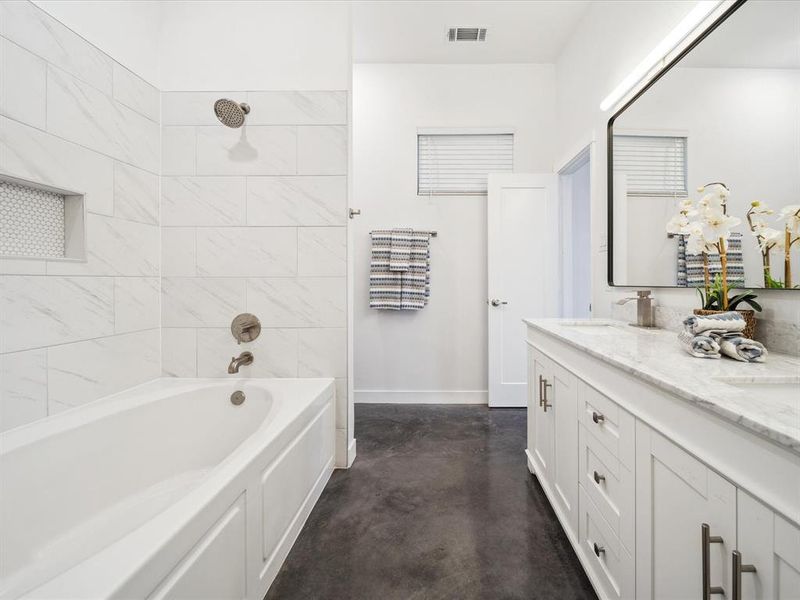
[40,221]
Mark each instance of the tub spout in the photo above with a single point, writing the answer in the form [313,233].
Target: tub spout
[245,358]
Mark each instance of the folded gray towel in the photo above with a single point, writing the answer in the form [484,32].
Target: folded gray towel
[701,346]
[741,348]
[720,322]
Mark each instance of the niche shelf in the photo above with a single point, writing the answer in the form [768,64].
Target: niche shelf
[39,221]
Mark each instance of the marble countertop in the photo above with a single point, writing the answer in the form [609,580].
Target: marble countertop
[655,356]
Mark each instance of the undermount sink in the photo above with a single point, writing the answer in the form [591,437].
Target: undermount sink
[782,389]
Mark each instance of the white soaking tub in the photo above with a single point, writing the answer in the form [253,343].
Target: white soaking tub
[168,490]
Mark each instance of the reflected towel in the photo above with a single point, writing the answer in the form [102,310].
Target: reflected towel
[719,323]
[701,346]
[740,348]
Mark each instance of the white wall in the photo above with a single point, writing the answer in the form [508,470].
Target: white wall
[611,40]
[240,45]
[73,118]
[441,348]
[127,30]
[750,141]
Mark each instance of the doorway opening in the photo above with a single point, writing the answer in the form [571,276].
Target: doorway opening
[575,235]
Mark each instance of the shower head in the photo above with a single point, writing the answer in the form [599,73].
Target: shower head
[231,113]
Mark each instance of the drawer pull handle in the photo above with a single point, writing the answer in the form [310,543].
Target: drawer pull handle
[707,539]
[598,478]
[597,417]
[738,569]
[543,393]
[598,550]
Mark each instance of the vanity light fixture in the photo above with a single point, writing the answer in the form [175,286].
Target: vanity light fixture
[697,15]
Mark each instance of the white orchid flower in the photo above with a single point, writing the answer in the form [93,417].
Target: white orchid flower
[696,244]
[718,226]
[770,238]
[790,215]
[677,225]
[760,208]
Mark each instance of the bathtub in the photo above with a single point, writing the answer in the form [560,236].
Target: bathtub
[167,490]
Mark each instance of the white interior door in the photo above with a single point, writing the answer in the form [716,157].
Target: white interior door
[523,278]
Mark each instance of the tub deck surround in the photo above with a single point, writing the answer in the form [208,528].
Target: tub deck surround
[654,356]
[137,494]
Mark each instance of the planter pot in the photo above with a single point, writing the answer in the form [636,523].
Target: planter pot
[749,319]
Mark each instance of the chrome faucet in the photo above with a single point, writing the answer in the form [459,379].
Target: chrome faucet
[245,358]
[645,313]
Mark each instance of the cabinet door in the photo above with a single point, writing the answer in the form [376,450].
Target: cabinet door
[562,396]
[540,420]
[771,544]
[675,495]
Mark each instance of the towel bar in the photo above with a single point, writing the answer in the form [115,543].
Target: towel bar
[432,233]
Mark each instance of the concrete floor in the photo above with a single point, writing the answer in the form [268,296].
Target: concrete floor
[438,505]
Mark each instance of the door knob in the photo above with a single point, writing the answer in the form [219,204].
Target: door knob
[495,302]
[354,212]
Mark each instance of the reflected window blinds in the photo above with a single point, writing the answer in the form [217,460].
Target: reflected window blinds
[652,165]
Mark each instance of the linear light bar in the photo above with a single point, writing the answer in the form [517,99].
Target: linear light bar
[665,46]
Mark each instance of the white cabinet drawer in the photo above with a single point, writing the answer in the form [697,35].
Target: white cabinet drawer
[613,426]
[612,566]
[610,485]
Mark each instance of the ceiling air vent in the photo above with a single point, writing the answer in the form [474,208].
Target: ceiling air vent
[466,34]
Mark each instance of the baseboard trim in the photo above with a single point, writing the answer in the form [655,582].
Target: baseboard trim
[421,396]
[351,453]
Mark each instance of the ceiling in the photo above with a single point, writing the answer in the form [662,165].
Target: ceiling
[759,35]
[532,31]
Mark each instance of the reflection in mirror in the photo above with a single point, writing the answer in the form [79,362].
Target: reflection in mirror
[728,112]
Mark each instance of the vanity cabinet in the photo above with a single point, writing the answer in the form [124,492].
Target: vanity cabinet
[660,499]
[770,544]
[553,432]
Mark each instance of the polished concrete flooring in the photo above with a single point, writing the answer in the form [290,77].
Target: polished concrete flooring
[438,505]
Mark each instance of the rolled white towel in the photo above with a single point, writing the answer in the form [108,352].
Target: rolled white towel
[740,348]
[701,346]
[721,322]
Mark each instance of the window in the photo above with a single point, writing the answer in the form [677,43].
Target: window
[458,164]
[653,165]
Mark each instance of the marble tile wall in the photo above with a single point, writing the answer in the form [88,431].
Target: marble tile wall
[73,118]
[254,219]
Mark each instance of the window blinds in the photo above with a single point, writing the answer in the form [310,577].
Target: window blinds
[652,165]
[458,164]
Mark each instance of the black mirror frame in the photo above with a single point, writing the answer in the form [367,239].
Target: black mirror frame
[610,144]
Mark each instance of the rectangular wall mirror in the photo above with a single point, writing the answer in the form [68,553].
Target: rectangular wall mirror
[726,110]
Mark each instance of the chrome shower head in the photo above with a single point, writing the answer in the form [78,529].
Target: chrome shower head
[231,113]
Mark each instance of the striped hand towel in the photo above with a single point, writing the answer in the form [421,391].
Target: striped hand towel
[399,290]
[400,251]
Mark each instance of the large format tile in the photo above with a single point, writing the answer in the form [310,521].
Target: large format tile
[270,150]
[136,304]
[80,113]
[43,158]
[35,30]
[193,108]
[22,85]
[42,311]
[178,255]
[297,108]
[135,194]
[23,388]
[296,200]
[322,251]
[247,251]
[178,146]
[274,353]
[134,92]
[115,247]
[322,353]
[301,302]
[81,372]
[322,150]
[179,352]
[22,266]
[201,302]
[203,200]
